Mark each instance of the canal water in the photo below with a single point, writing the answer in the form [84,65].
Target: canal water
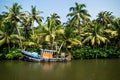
[107,69]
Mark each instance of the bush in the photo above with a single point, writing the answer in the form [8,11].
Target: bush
[1,56]
[88,52]
[14,54]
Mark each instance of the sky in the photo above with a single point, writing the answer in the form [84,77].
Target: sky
[61,7]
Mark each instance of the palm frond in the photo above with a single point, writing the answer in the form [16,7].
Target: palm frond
[87,39]
[2,41]
[93,41]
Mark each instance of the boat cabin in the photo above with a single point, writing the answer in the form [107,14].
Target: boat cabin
[47,53]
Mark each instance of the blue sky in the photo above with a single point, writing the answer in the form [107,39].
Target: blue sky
[61,7]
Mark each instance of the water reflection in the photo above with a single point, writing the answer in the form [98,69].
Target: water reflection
[47,67]
[74,70]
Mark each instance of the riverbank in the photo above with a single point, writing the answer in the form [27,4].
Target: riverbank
[85,52]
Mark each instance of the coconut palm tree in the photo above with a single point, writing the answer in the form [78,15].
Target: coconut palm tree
[1,20]
[13,15]
[53,20]
[117,26]
[52,24]
[8,39]
[34,16]
[49,31]
[7,35]
[78,14]
[95,35]
[68,39]
[105,18]
[26,23]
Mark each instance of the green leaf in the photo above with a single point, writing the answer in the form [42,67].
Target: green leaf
[93,41]
[2,41]
[47,38]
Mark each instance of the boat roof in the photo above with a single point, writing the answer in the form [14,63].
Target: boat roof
[48,50]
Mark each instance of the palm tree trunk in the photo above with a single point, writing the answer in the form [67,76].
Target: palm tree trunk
[8,47]
[19,37]
[79,28]
[60,47]
[33,30]
[52,41]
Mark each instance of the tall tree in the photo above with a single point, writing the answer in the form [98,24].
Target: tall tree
[13,16]
[95,35]
[105,18]
[7,35]
[78,14]
[26,23]
[34,16]
[117,26]
[53,23]
[69,39]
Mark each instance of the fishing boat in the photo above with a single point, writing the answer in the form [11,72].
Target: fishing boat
[45,56]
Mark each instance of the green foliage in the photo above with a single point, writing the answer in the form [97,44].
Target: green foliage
[9,56]
[88,52]
[33,49]
[14,54]
[77,35]
[1,56]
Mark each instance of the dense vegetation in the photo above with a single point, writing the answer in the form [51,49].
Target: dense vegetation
[80,36]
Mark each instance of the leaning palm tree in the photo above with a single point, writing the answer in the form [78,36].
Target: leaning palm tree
[95,35]
[78,14]
[13,16]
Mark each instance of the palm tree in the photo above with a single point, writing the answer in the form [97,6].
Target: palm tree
[68,39]
[78,14]
[26,23]
[95,35]
[34,16]
[53,20]
[49,31]
[52,23]
[13,16]
[117,26]
[105,18]
[7,35]
[38,37]
[1,20]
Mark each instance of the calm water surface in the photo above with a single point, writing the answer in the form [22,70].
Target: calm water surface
[75,70]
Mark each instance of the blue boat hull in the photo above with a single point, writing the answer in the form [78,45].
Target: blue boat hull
[28,56]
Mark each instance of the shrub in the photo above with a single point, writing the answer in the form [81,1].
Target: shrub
[14,54]
[88,52]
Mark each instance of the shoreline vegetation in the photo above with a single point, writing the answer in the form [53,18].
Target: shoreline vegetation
[79,36]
